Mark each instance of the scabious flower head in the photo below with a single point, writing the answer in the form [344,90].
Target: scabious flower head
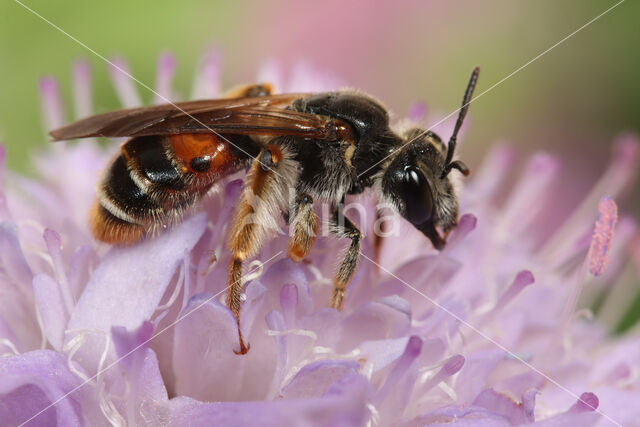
[485,332]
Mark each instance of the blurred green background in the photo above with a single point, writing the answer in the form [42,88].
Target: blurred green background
[580,94]
[572,102]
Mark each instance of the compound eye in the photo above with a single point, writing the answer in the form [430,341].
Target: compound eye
[417,196]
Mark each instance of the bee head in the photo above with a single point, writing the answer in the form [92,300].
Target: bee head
[416,180]
[414,184]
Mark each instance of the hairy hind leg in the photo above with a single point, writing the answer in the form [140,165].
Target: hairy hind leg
[252,224]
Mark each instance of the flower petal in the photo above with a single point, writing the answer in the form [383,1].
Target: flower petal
[207,79]
[314,379]
[515,412]
[32,382]
[124,83]
[51,103]
[127,285]
[12,258]
[82,99]
[52,309]
[129,282]
[165,71]
[130,346]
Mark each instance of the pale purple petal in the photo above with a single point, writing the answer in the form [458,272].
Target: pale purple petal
[251,309]
[534,184]
[124,84]
[315,378]
[489,178]
[344,406]
[305,77]
[272,72]
[207,79]
[416,112]
[52,308]
[9,343]
[462,415]
[472,379]
[3,170]
[82,92]
[137,363]
[52,107]
[129,282]
[379,354]
[54,246]
[282,273]
[276,325]
[80,268]
[127,285]
[31,382]
[11,256]
[394,394]
[521,281]
[515,412]
[451,367]
[374,321]
[130,346]
[165,70]
[620,175]
[289,302]
[581,413]
[466,224]
[206,337]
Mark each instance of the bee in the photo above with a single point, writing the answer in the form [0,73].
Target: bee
[299,149]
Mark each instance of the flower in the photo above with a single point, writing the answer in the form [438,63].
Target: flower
[484,332]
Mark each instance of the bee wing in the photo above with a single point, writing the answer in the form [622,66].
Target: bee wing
[264,115]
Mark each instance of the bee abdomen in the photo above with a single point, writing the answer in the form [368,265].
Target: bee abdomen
[150,165]
[156,179]
[107,227]
[129,204]
[124,197]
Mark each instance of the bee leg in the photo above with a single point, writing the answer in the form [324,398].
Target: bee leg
[253,222]
[234,299]
[249,91]
[304,226]
[342,226]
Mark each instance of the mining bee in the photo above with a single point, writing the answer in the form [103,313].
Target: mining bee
[299,147]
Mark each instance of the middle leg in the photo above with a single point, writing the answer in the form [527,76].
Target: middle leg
[303,226]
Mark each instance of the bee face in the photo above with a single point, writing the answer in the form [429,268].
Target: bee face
[412,182]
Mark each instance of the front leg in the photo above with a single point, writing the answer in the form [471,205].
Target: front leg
[343,227]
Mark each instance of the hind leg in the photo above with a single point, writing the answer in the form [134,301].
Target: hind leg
[252,224]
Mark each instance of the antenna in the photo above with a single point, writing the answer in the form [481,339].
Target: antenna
[451,147]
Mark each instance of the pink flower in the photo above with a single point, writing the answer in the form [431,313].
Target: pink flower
[483,333]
